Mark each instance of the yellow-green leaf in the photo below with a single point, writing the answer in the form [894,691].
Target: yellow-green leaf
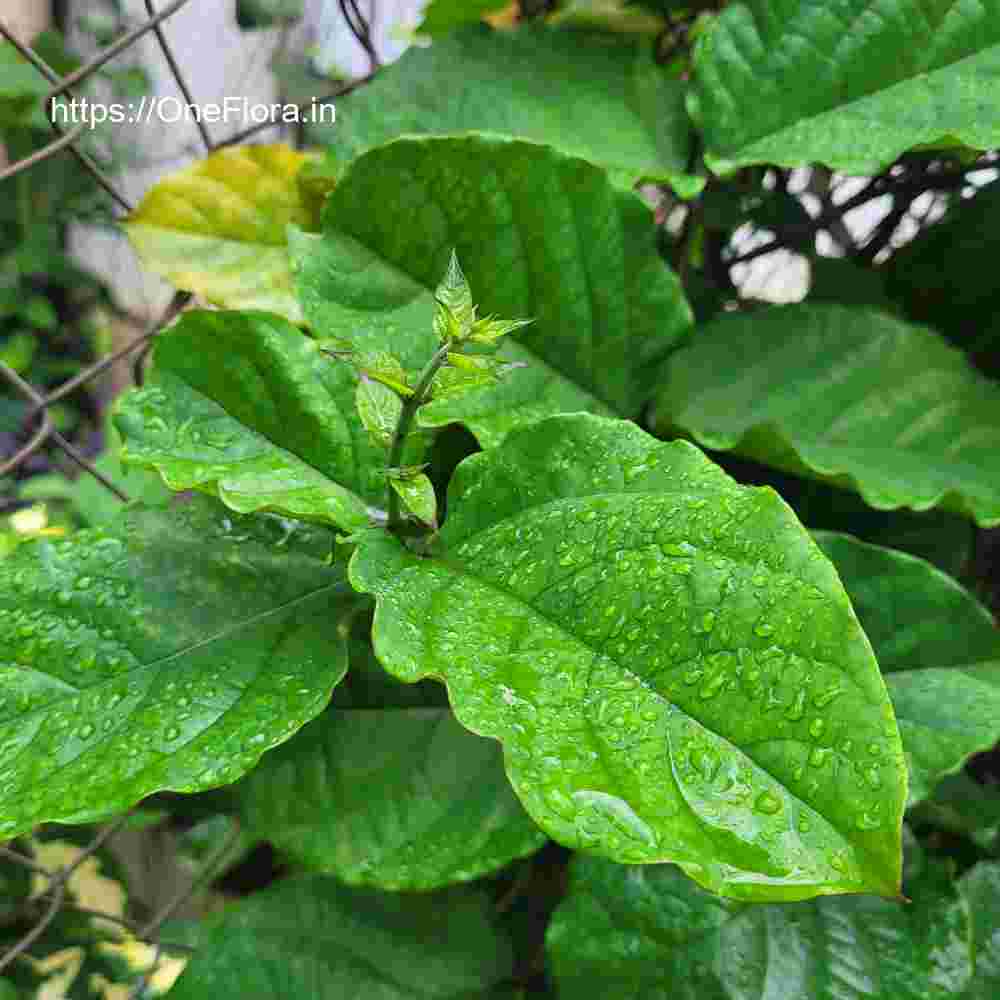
[217,228]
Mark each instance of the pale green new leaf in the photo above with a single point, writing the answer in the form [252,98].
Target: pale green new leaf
[167,651]
[466,374]
[670,662]
[589,94]
[455,295]
[489,330]
[217,227]
[417,494]
[521,216]
[244,406]
[649,933]
[851,84]
[848,395]
[940,651]
[384,368]
[379,409]
[394,798]
[310,937]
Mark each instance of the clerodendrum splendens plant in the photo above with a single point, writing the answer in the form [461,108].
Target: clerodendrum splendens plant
[639,658]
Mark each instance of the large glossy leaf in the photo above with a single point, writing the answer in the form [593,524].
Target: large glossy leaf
[939,648]
[538,234]
[589,94]
[649,932]
[246,407]
[849,83]
[311,937]
[946,277]
[848,395]
[217,227]
[166,652]
[671,664]
[394,798]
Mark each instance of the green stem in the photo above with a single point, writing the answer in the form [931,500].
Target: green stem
[410,406]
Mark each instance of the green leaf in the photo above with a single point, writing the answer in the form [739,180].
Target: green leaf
[89,499]
[396,799]
[468,373]
[218,227]
[417,494]
[379,409]
[615,15]
[648,932]
[851,396]
[167,652]
[18,350]
[489,330]
[244,406]
[22,87]
[384,368]
[519,215]
[946,277]
[442,16]
[671,664]
[939,537]
[593,95]
[455,295]
[792,82]
[311,937]
[939,648]
[15,886]
[980,891]
[963,806]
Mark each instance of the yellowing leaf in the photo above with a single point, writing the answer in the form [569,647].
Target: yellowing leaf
[217,227]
